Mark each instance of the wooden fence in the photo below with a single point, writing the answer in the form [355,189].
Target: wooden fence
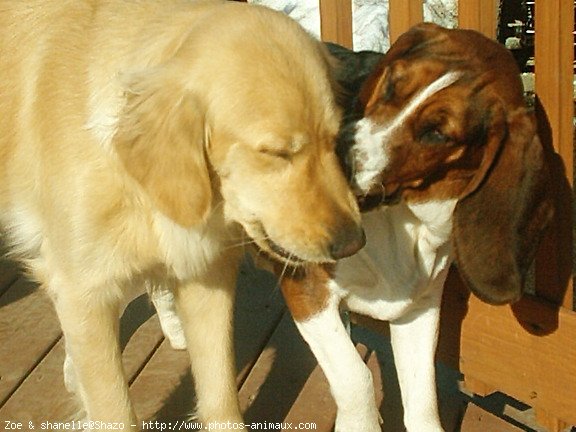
[528,350]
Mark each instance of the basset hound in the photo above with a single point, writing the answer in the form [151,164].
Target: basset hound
[447,166]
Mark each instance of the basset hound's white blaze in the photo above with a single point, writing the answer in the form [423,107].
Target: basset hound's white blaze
[370,153]
[371,150]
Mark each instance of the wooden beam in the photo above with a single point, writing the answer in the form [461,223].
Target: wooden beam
[478,420]
[554,71]
[336,22]
[551,423]
[526,350]
[402,15]
[480,15]
[554,55]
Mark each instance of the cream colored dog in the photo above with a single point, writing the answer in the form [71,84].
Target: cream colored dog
[139,140]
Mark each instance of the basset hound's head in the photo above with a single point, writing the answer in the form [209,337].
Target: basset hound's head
[444,117]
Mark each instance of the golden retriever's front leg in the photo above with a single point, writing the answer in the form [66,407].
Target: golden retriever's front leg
[205,307]
[89,321]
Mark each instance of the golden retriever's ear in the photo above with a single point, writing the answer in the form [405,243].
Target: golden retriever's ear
[161,142]
[500,218]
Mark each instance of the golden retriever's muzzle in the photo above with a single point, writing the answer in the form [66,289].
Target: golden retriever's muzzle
[342,241]
[345,244]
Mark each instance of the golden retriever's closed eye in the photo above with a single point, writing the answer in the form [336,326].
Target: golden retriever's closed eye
[139,142]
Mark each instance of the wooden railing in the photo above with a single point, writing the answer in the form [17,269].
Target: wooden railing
[527,350]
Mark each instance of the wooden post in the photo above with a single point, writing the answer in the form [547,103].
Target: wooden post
[402,15]
[554,70]
[554,54]
[336,21]
[478,15]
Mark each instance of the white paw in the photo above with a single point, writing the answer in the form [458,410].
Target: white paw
[170,323]
[356,425]
[70,375]
[425,427]
[175,335]
[359,422]
[423,421]
[172,329]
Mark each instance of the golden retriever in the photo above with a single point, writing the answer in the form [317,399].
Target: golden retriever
[139,140]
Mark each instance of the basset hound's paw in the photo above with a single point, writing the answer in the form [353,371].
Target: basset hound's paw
[359,422]
[425,427]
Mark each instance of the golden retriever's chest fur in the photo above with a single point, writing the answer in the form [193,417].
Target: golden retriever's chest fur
[115,245]
[190,251]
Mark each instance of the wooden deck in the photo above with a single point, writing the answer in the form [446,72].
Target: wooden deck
[278,377]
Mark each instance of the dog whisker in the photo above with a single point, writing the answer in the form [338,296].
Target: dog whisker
[353,170]
[216,207]
[294,269]
[240,244]
[283,273]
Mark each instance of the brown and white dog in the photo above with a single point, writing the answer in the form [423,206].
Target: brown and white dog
[138,141]
[446,138]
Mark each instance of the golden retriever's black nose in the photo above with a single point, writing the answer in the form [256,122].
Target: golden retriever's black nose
[347,242]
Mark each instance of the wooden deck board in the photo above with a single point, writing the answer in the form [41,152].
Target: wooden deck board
[29,328]
[163,390]
[143,341]
[279,378]
[478,420]
[9,272]
[278,375]
[314,403]
[259,309]
[42,396]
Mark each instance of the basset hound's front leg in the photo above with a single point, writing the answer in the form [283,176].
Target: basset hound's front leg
[414,338]
[312,297]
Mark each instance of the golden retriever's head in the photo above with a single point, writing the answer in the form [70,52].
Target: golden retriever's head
[244,111]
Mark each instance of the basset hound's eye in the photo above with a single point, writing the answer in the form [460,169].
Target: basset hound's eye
[433,136]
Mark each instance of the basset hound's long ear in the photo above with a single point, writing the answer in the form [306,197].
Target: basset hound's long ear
[501,216]
[161,143]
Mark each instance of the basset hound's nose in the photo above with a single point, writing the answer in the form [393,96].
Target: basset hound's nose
[347,242]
